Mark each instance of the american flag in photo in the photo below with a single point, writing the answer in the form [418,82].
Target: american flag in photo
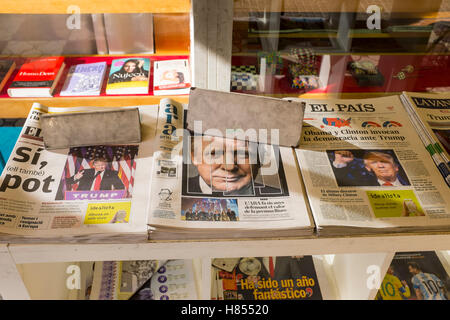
[75,163]
[118,158]
[125,164]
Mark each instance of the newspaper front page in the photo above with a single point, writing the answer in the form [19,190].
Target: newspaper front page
[430,114]
[204,186]
[96,193]
[365,171]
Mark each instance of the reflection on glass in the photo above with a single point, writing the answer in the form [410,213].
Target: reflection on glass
[344,48]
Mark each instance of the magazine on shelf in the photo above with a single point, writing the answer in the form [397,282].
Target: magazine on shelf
[120,280]
[129,76]
[171,77]
[84,79]
[363,171]
[215,187]
[416,276]
[53,196]
[430,115]
[268,278]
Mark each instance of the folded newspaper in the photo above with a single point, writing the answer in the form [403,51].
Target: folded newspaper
[430,115]
[80,194]
[366,172]
[207,187]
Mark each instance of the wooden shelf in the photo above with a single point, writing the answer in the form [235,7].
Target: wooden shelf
[94,6]
[430,8]
[34,253]
[20,107]
[352,34]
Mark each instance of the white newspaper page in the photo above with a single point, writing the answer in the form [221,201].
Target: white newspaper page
[205,182]
[76,192]
[364,166]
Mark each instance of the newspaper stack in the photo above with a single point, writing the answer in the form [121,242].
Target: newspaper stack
[430,115]
[215,188]
[51,196]
[364,172]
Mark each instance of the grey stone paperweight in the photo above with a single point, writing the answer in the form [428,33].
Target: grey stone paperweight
[213,112]
[78,129]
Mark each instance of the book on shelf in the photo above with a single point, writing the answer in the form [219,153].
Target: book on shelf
[129,76]
[423,275]
[430,115]
[84,79]
[144,280]
[269,278]
[364,172]
[6,69]
[207,187]
[51,196]
[37,77]
[171,77]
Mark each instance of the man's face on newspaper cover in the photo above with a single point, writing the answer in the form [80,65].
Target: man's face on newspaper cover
[383,167]
[224,164]
[99,165]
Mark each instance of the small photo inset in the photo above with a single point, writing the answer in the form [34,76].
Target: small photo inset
[98,173]
[356,167]
[209,209]
[166,168]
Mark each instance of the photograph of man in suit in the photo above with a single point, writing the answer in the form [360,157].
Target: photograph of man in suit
[226,167]
[348,169]
[97,178]
[384,168]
